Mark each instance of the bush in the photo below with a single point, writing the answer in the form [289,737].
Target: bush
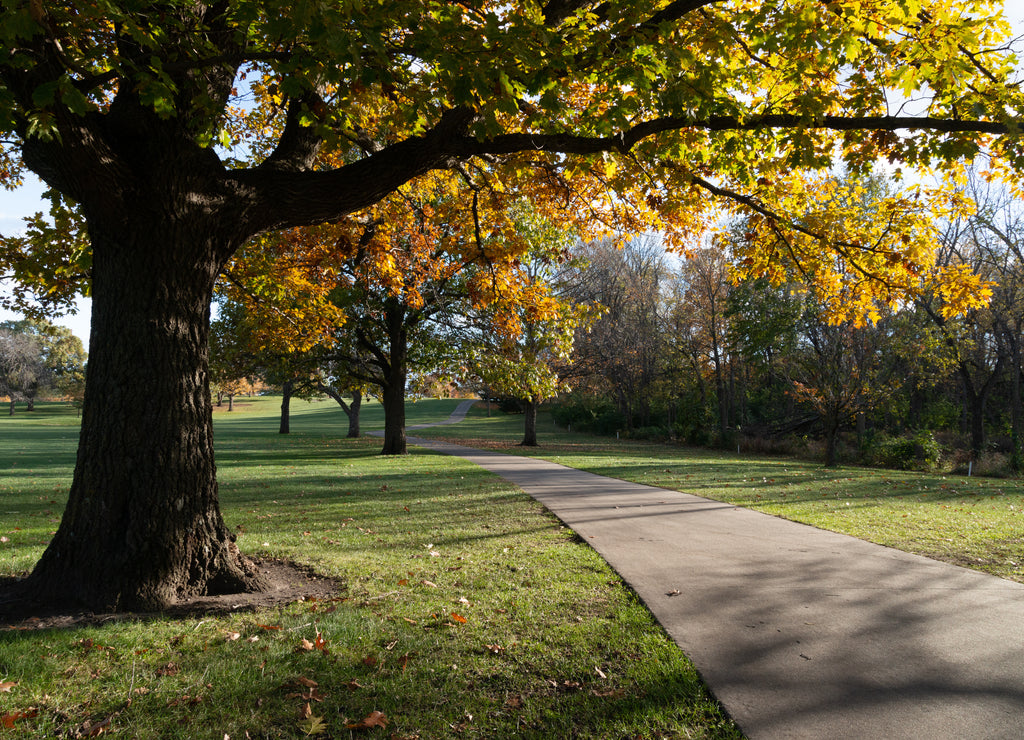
[588,415]
[920,451]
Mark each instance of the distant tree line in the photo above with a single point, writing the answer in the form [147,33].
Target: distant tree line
[684,352]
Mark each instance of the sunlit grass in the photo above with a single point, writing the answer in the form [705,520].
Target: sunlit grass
[466,610]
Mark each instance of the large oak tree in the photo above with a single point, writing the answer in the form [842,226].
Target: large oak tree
[119,107]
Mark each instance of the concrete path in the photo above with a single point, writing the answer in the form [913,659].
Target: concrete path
[799,632]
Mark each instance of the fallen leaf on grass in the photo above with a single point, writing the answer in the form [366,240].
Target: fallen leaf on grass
[307,696]
[312,725]
[609,694]
[171,669]
[373,719]
[7,685]
[304,646]
[232,636]
[459,618]
[429,583]
[8,719]
[269,626]
[309,683]
[599,672]
[95,730]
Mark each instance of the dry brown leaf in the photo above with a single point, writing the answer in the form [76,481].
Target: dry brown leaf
[373,719]
[7,685]
[304,646]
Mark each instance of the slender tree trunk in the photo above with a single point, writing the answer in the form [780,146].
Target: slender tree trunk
[530,422]
[352,411]
[10,411]
[231,402]
[355,409]
[1015,404]
[395,377]
[286,405]
[142,527]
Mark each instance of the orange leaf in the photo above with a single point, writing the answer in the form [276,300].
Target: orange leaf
[7,686]
[319,642]
[459,618]
[269,626]
[373,719]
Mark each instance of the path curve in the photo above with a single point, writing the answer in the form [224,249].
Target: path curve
[799,632]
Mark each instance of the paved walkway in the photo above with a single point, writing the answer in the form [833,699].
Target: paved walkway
[799,632]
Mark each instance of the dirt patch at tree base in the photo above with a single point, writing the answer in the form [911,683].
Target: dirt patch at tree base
[289,582]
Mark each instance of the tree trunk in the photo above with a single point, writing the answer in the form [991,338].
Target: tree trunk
[530,422]
[286,404]
[231,402]
[142,527]
[393,395]
[352,410]
[394,374]
[353,414]
[11,411]
[1015,404]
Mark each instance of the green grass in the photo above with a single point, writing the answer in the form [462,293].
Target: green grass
[467,610]
[974,522]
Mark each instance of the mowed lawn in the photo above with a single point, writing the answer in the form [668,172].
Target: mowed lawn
[973,522]
[465,609]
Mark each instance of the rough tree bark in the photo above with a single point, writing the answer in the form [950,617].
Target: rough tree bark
[142,527]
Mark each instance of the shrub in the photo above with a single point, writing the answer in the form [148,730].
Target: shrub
[920,451]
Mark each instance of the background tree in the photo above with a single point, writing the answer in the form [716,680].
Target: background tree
[40,358]
[524,335]
[119,109]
